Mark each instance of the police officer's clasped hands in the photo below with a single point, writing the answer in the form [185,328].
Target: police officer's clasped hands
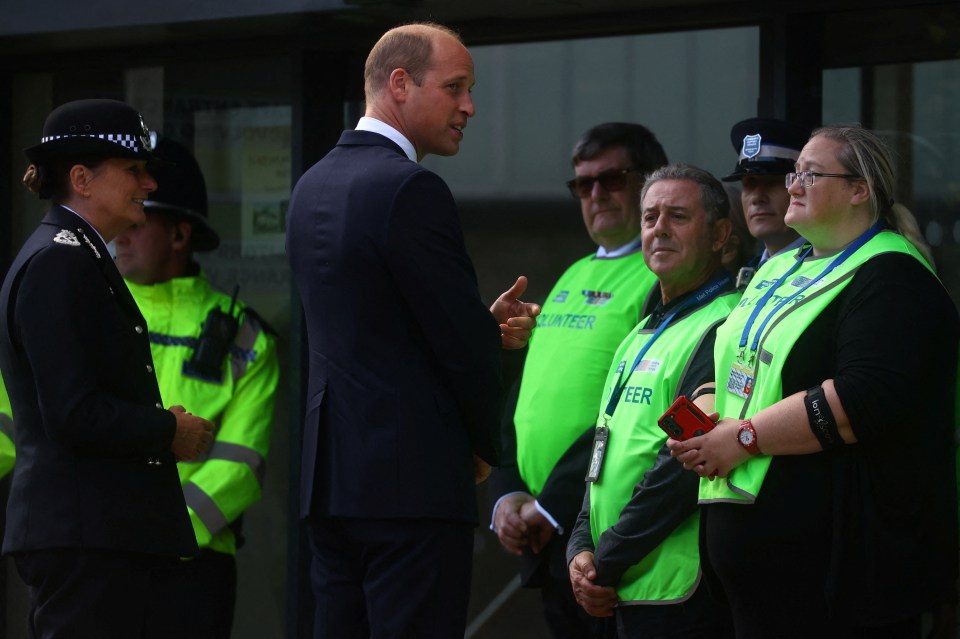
[193,435]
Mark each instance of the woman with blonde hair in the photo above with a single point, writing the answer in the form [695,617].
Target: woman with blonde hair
[834,513]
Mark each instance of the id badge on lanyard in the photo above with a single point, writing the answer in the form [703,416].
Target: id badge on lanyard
[741,380]
[602,434]
[599,451]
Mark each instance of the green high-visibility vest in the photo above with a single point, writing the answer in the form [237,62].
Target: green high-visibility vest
[8,454]
[590,309]
[671,571]
[780,334]
[219,488]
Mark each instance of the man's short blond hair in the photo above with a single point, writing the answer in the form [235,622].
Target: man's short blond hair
[409,47]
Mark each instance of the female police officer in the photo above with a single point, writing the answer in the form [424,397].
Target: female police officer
[96,512]
[836,515]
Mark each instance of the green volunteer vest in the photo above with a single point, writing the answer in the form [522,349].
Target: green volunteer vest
[590,309]
[672,570]
[778,339]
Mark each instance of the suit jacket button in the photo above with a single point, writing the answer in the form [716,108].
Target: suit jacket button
[149,368]
[138,328]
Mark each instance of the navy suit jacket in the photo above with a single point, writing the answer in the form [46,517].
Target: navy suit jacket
[94,467]
[404,356]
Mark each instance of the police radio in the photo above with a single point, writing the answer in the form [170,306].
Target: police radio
[219,330]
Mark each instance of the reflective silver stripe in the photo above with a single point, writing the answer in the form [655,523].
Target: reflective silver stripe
[208,511]
[246,338]
[241,454]
[6,426]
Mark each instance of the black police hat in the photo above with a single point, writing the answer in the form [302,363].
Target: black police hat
[182,192]
[106,128]
[766,146]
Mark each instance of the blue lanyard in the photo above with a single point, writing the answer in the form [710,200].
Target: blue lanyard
[706,292]
[864,237]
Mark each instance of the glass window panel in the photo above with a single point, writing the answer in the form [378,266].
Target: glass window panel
[841,96]
[916,107]
[534,100]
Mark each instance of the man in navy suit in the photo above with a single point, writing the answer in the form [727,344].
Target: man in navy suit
[403,398]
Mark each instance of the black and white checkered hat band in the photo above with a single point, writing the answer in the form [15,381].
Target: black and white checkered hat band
[132,142]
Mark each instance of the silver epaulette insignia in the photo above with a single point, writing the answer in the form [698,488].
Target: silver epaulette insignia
[89,243]
[66,237]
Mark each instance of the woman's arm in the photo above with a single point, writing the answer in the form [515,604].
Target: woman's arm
[782,429]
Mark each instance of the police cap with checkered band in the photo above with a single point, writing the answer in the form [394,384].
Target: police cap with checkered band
[93,128]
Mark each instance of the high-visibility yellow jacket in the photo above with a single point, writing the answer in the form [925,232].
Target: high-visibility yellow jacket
[7,452]
[229,479]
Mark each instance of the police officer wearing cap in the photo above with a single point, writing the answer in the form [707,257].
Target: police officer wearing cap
[219,359]
[768,149]
[96,515]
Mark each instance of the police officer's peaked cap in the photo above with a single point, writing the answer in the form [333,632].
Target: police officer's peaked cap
[93,128]
[766,146]
[182,192]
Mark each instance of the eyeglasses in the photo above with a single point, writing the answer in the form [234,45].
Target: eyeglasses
[611,181]
[809,178]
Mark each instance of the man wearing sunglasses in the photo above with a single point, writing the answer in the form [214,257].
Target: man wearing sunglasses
[768,150]
[549,420]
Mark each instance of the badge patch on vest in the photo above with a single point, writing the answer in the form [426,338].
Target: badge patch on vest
[66,237]
[648,366]
[596,298]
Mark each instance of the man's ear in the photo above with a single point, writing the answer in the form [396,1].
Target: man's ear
[398,84]
[722,229]
[182,231]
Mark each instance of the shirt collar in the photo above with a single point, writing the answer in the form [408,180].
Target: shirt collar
[88,223]
[792,246]
[378,126]
[629,247]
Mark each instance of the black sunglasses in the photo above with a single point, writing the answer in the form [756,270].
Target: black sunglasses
[613,180]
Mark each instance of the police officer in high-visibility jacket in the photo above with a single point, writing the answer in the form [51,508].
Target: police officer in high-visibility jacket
[634,549]
[7,452]
[218,358]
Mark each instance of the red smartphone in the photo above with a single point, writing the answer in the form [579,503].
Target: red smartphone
[684,420]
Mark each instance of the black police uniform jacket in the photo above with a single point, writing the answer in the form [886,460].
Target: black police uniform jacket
[94,468]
